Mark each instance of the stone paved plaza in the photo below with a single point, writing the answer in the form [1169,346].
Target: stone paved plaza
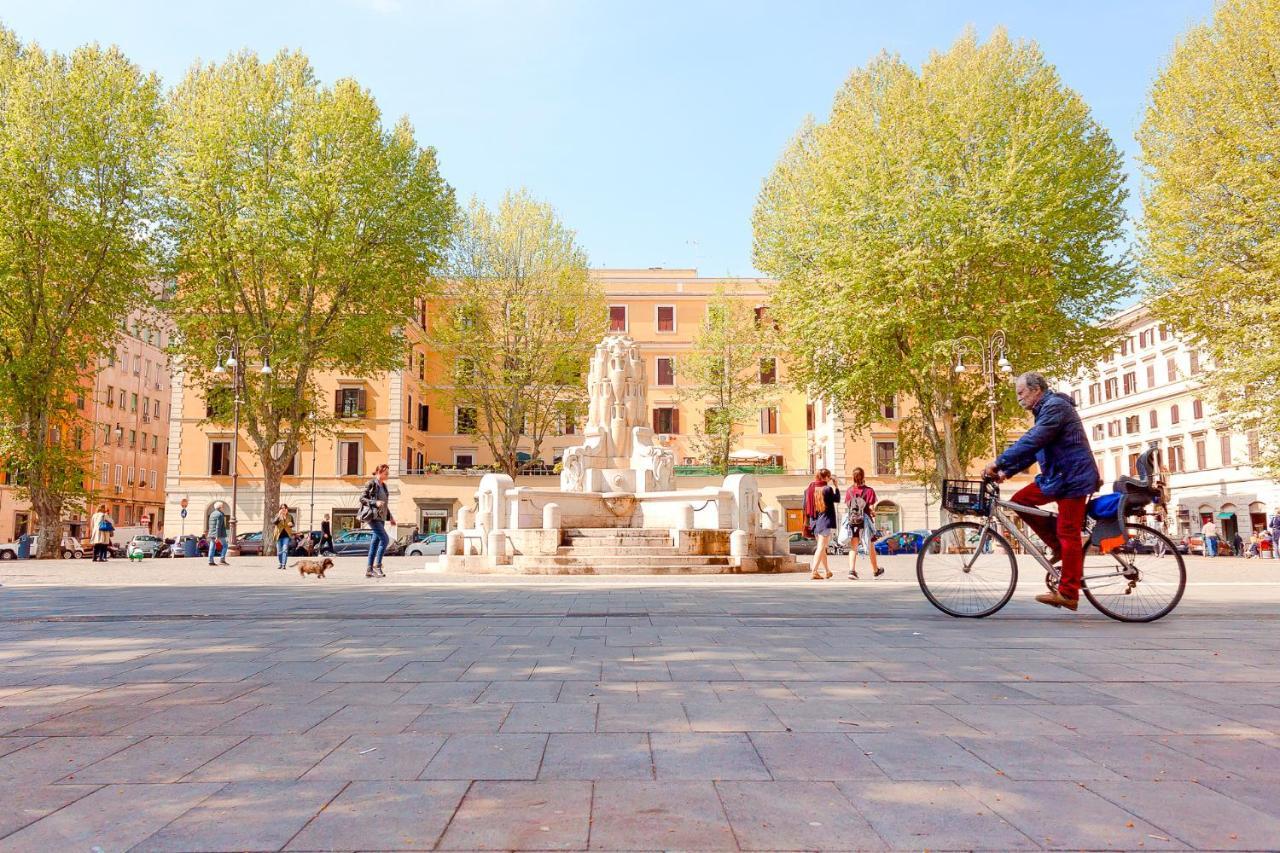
[169,706]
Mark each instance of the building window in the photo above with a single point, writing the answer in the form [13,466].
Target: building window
[408,411]
[1153,418]
[1251,437]
[1171,368]
[80,400]
[157,408]
[111,397]
[666,371]
[133,402]
[1197,409]
[350,455]
[1224,448]
[666,420]
[886,458]
[1099,432]
[464,420]
[1133,464]
[1195,363]
[1151,375]
[119,474]
[768,371]
[1132,424]
[1075,397]
[1113,388]
[349,403]
[1174,415]
[1131,383]
[464,460]
[422,366]
[1202,458]
[617,318]
[155,443]
[810,423]
[1176,462]
[424,417]
[1164,332]
[1095,393]
[889,410]
[219,458]
[1113,428]
[666,318]
[769,420]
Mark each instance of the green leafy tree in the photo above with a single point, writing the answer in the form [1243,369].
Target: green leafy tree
[721,375]
[79,142]
[519,318]
[973,195]
[301,226]
[1210,145]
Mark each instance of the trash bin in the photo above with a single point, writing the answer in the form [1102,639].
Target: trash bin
[24,547]
[190,547]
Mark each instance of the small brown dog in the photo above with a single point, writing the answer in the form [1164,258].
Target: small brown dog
[313,567]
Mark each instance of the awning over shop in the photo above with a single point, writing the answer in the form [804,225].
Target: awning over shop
[1225,515]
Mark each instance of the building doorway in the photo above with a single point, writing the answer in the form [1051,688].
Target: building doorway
[888,518]
[343,520]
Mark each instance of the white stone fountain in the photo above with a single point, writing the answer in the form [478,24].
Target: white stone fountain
[617,509]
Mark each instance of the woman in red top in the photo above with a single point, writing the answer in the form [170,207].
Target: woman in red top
[859,504]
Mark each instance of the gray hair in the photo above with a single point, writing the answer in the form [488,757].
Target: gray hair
[1034,381]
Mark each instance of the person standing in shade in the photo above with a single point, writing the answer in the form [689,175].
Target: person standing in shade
[217,533]
[825,502]
[1274,528]
[375,509]
[102,527]
[860,515]
[284,534]
[326,534]
[1237,545]
[1209,533]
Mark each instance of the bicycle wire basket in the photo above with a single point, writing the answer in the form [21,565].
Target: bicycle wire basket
[968,497]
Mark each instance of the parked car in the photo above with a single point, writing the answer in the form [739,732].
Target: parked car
[71,549]
[431,546]
[353,542]
[147,546]
[906,542]
[801,544]
[299,546]
[250,544]
[1195,544]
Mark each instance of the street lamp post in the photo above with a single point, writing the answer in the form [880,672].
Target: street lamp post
[227,354]
[994,357]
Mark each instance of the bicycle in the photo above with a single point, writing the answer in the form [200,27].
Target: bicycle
[1132,572]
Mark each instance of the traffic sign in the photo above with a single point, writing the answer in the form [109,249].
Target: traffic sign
[183,503]
[184,511]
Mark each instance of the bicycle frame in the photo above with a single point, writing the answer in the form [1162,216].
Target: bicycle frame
[997,517]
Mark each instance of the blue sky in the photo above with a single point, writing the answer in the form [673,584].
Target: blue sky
[648,125]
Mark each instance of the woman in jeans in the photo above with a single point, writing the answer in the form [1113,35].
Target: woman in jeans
[860,502]
[284,534]
[376,498]
[825,501]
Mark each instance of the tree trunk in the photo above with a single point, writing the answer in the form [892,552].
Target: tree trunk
[48,510]
[270,502]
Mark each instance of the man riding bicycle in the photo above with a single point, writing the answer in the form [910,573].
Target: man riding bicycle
[1067,475]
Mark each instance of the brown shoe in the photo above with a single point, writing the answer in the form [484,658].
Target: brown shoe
[1057,599]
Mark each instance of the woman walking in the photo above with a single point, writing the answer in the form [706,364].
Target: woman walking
[284,534]
[860,517]
[825,501]
[102,527]
[375,510]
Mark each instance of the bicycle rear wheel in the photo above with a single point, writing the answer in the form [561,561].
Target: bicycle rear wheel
[967,569]
[1139,582]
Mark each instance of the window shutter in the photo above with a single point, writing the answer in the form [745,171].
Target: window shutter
[337,403]
[675,421]
[362,402]
[655,421]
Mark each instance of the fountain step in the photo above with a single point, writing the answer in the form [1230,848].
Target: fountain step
[621,560]
[627,550]
[546,565]
[616,532]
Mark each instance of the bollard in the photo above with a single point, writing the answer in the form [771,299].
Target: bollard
[739,544]
[686,517]
[497,548]
[453,542]
[551,517]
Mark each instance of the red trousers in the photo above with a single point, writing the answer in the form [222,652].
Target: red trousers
[1063,536]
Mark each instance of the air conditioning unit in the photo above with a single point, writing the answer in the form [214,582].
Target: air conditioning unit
[664,438]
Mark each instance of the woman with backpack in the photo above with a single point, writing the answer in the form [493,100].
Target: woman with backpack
[860,517]
[376,512]
[825,501]
[102,528]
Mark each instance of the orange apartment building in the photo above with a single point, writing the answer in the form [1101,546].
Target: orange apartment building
[125,434]
[407,419]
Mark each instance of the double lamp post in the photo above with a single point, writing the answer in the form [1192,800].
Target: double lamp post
[227,354]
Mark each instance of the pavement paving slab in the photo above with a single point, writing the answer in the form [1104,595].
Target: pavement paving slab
[160,707]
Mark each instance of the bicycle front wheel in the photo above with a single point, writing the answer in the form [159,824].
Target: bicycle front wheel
[1140,581]
[967,569]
